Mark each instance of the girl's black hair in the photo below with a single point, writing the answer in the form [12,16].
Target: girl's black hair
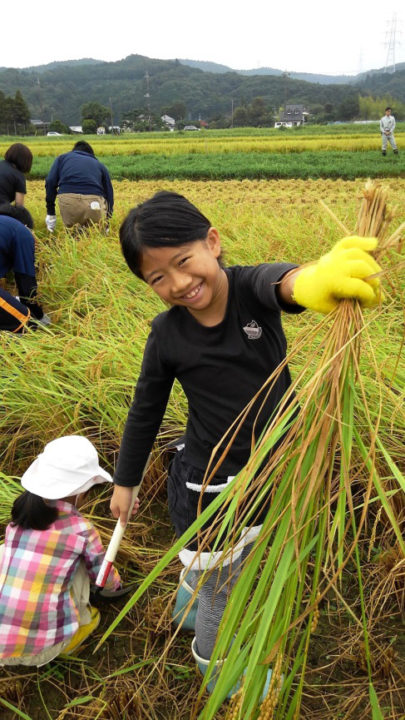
[18,212]
[166,219]
[30,512]
[83,146]
[19,155]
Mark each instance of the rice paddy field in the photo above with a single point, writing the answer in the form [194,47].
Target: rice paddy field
[328,611]
[332,151]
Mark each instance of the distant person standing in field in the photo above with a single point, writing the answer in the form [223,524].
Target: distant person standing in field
[83,186]
[17,162]
[387,127]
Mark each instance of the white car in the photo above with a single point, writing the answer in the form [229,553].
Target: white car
[54,134]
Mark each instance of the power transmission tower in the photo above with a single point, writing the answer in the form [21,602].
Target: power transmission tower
[391,43]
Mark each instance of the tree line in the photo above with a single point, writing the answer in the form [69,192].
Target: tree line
[108,94]
[60,92]
[14,115]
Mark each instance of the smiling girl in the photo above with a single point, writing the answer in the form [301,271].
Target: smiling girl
[221,338]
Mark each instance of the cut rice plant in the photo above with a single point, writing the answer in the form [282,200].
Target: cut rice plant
[332,481]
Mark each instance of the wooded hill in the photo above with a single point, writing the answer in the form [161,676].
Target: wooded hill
[60,89]
[308,77]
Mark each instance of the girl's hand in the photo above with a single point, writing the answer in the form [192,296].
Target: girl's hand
[347,271]
[121,502]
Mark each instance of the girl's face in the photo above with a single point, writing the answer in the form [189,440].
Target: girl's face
[189,275]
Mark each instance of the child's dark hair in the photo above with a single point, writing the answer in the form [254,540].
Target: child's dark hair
[30,512]
[19,155]
[18,212]
[166,219]
[83,146]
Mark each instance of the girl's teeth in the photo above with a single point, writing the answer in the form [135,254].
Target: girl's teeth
[193,293]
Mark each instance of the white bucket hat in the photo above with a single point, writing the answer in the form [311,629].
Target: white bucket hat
[67,466]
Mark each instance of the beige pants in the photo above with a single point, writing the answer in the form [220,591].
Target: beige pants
[78,209]
[80,592]
[388,139]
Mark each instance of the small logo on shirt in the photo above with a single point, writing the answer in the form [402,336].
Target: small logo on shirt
[253,330]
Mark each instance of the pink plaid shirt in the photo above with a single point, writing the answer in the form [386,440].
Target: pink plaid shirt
[36,608]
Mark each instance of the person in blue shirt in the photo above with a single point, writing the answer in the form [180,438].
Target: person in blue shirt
[83,186]
[17,254]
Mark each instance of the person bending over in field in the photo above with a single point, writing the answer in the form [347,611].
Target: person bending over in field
[83,186]
[18,212]
[17,254]
[16,164]
[14,315]
[221,338]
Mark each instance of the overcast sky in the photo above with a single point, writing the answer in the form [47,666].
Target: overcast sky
[347,36]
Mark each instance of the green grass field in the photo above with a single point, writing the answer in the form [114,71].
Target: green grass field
[237,166]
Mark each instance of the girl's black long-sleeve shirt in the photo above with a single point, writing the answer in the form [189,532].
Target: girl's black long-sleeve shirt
[220,368]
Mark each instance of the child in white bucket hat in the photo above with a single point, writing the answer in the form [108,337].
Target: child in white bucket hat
[50,555]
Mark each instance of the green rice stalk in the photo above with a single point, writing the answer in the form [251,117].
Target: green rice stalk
[16,710]
[10,488]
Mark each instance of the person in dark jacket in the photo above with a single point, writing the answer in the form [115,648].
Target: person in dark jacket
[17,162]
[83,186]
[17,254]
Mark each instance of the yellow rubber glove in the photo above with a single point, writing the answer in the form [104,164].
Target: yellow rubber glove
[344,272]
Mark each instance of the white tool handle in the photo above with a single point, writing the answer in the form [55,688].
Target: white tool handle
[119,529]
[114,544]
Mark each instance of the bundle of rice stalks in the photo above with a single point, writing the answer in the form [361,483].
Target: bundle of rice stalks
[333,473]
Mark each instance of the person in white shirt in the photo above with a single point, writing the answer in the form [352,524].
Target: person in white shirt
[387,126]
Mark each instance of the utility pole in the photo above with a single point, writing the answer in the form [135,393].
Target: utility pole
[111,115]
[147,96]
[39,91]
[286,78]
[232,113]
